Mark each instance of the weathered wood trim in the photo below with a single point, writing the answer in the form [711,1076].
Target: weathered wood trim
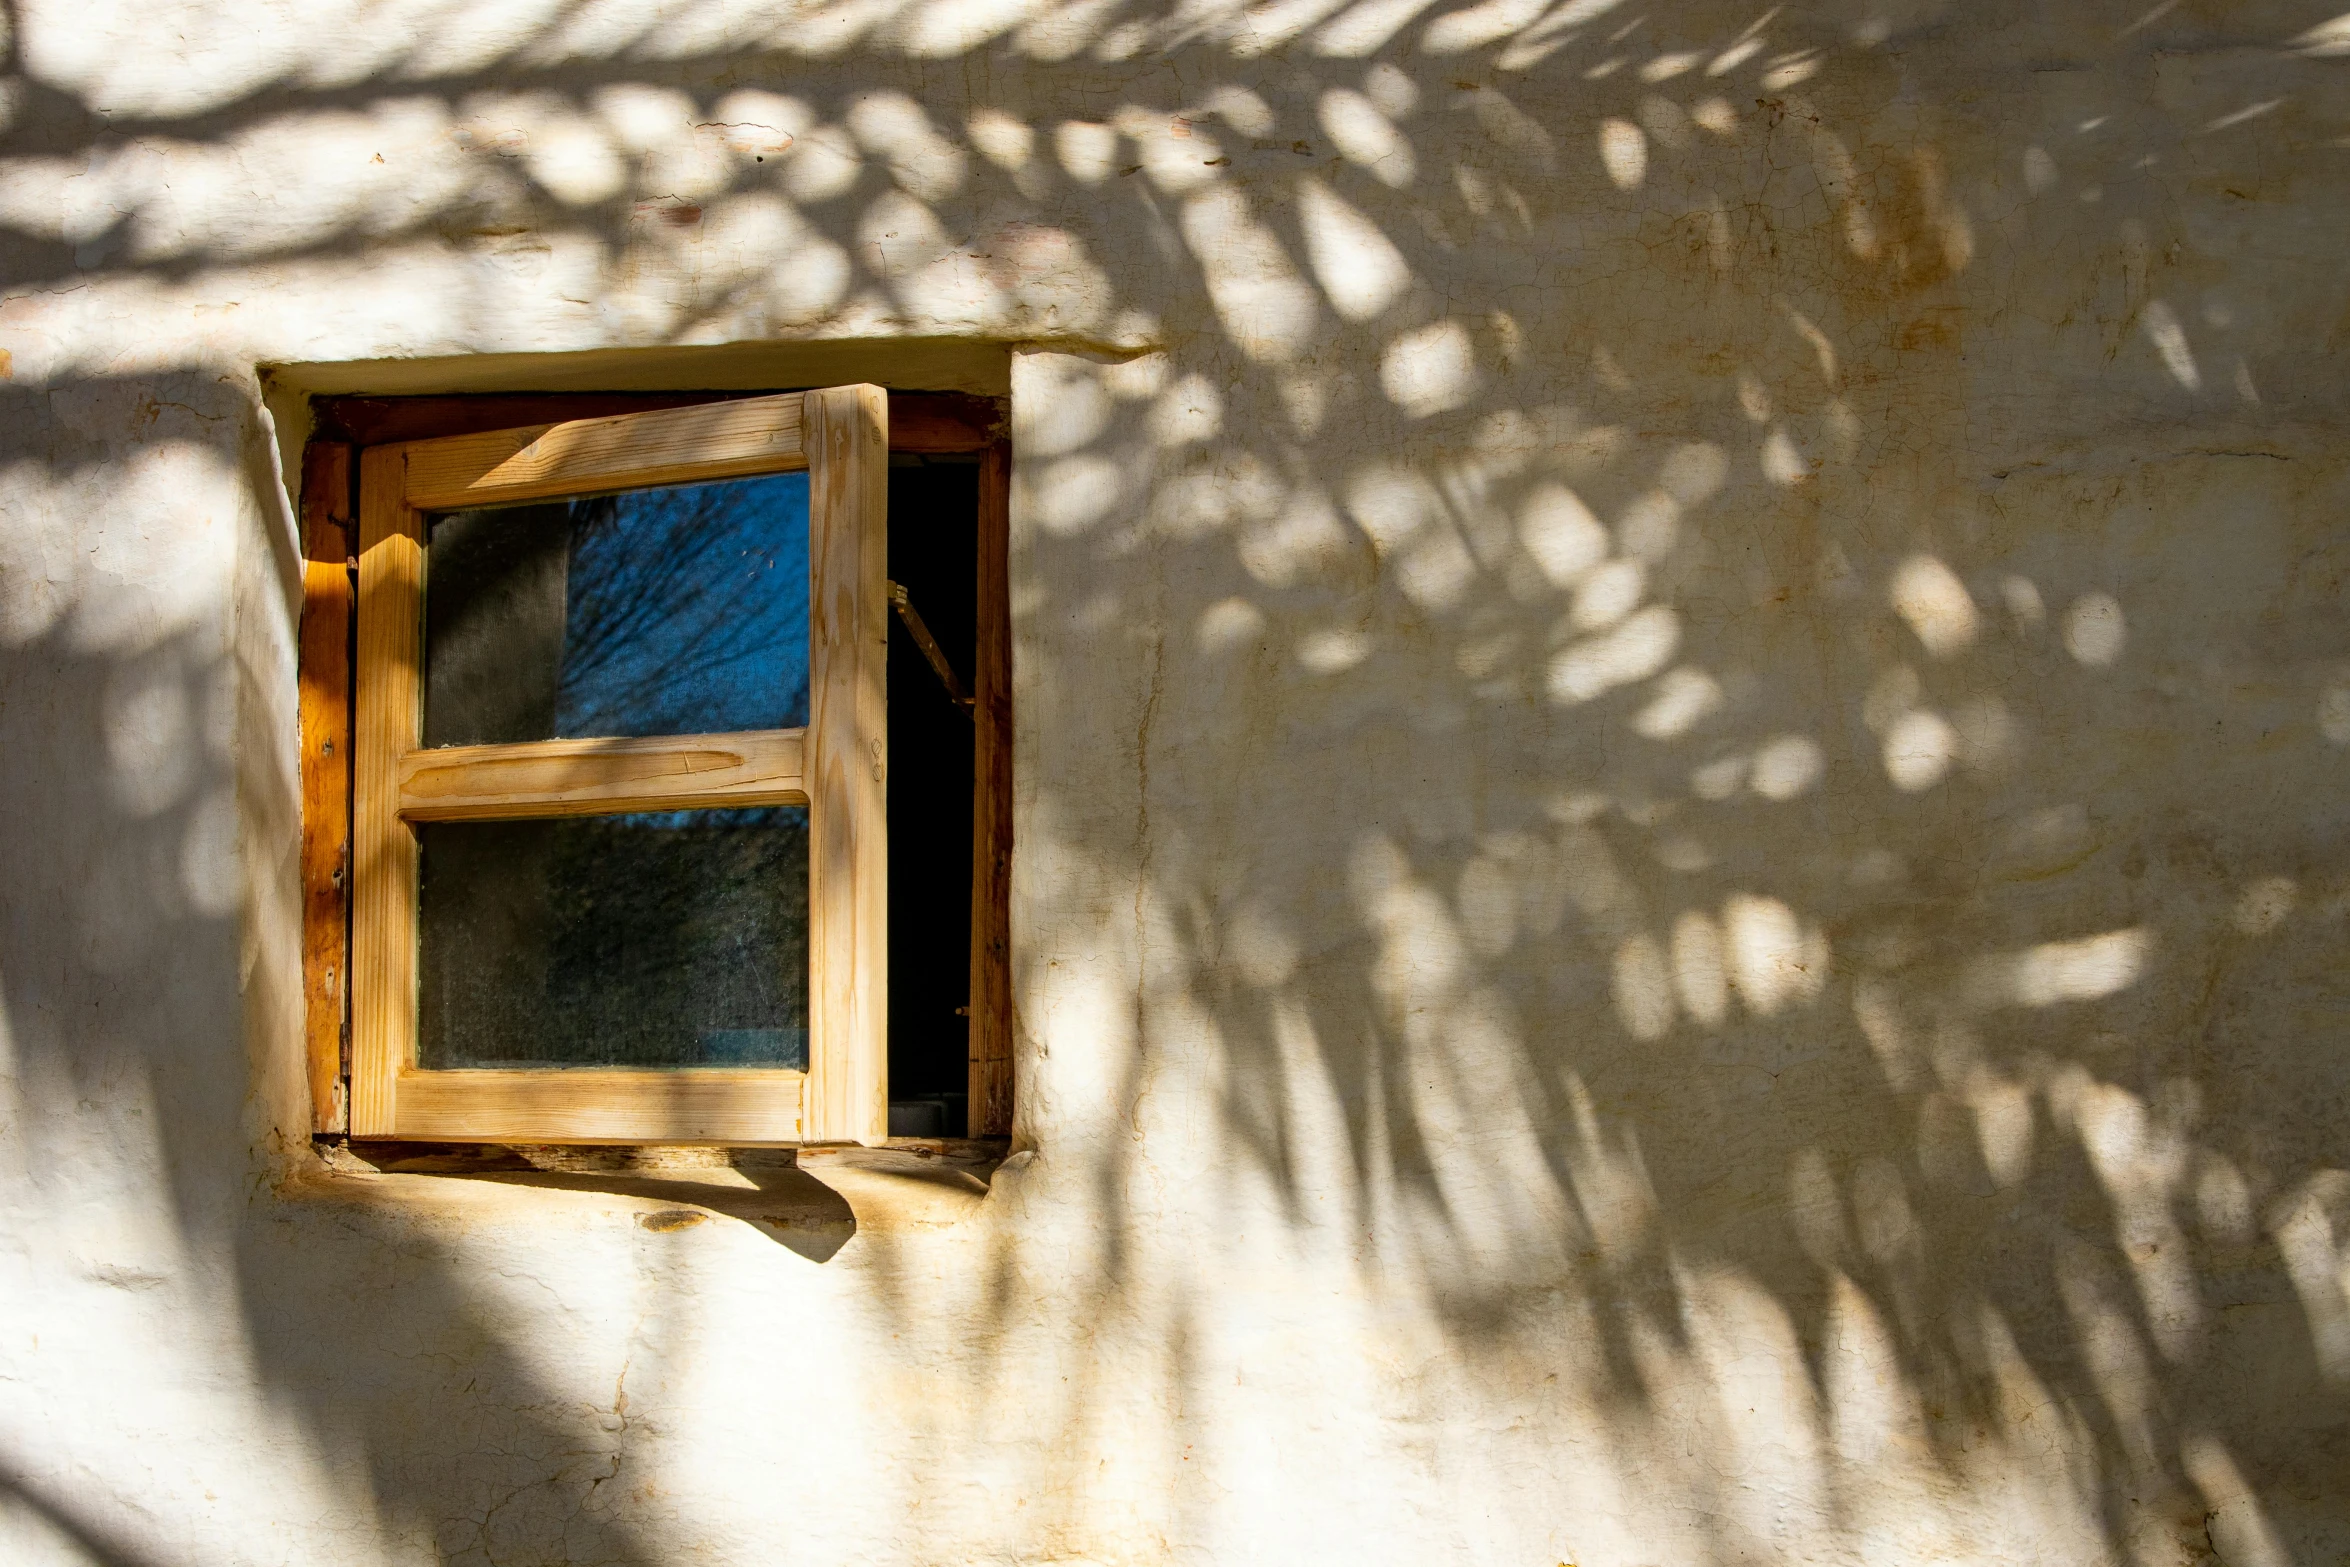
[990,1104]
[939,424]
[974,1156]
[543,778]
[325,725]
[934,423]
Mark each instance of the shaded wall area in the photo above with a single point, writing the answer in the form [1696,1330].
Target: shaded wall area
[1681,702]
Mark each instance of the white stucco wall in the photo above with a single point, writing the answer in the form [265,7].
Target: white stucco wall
[1682,705]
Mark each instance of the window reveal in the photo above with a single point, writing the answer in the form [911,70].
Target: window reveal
[949,1003]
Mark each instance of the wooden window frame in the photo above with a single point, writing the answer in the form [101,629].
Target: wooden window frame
[363,504]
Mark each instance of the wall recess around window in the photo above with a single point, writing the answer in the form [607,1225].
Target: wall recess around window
[948,727]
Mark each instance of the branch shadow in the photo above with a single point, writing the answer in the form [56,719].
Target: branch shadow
[1607,765]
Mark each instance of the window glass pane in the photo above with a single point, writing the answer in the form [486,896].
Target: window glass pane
[656,612]
[660,939]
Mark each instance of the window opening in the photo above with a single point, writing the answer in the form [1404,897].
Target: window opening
[644,930]
[933,570]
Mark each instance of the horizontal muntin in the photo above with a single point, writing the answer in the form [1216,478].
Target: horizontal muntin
[540,778]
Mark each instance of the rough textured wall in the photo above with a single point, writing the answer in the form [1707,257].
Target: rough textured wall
[1682,708]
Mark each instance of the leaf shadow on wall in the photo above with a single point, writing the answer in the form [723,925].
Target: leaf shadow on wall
[1638,839]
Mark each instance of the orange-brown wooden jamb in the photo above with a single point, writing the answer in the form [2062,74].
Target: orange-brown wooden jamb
[325,725]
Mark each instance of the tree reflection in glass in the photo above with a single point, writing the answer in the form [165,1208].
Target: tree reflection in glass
[656,612]
[646,939]
[656,939]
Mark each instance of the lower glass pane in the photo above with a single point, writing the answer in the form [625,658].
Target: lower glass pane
[662,939]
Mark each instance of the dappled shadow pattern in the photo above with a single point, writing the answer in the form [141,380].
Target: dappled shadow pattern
[1684,724]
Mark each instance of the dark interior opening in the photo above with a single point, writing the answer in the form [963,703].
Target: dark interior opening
[934,556]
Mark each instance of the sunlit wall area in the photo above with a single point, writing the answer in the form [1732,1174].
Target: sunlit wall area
[1681,888]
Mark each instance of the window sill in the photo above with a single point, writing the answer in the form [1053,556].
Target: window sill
[812,1200]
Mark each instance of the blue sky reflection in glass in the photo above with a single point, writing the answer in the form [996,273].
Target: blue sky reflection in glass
[686,611]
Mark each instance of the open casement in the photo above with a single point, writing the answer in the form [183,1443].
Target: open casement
[835,768]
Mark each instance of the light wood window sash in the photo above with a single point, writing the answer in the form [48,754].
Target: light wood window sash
[837,767]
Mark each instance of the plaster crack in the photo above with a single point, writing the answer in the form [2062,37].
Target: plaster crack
[1142,823]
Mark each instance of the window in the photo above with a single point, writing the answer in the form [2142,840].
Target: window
[618,718]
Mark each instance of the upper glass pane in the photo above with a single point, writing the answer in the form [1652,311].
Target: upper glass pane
[655,612]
